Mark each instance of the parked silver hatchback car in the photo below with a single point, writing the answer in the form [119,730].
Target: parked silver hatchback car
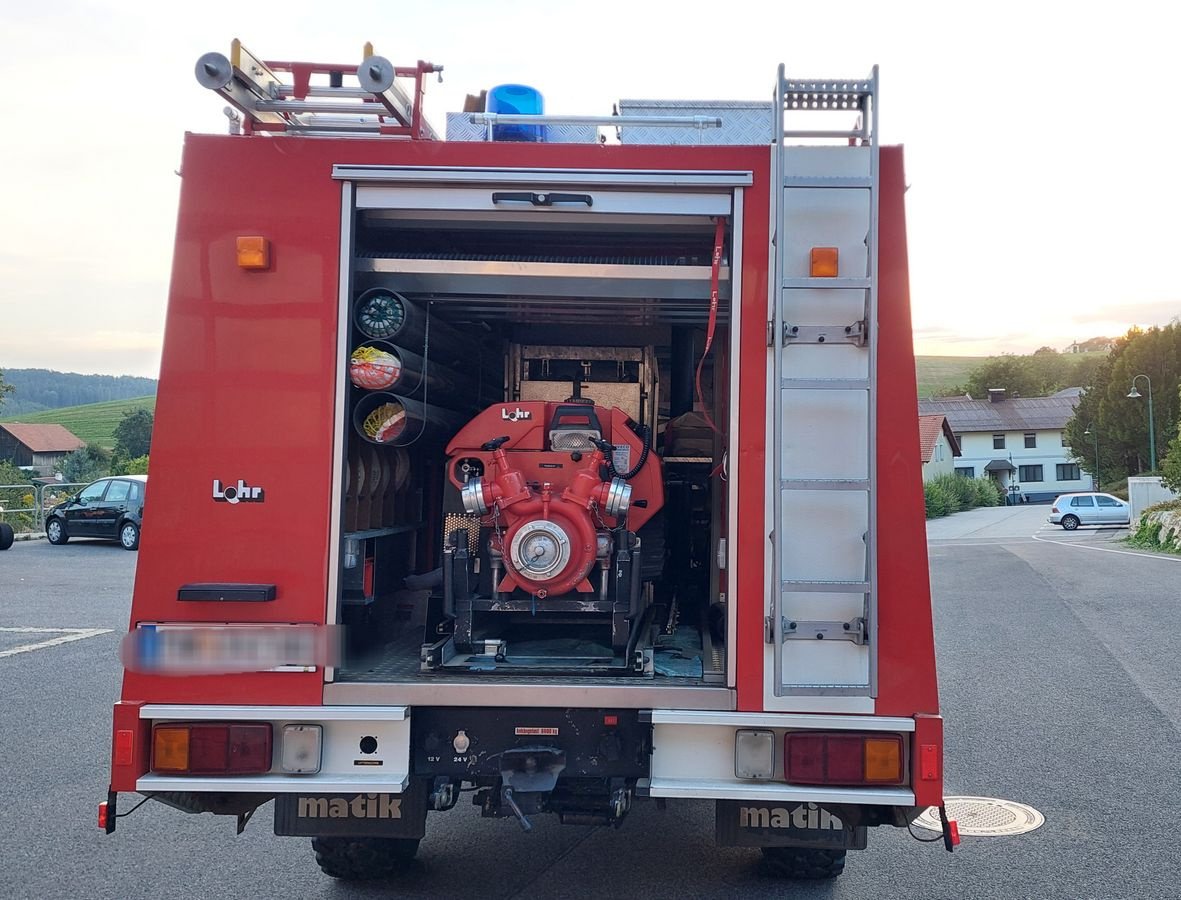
[1091,508]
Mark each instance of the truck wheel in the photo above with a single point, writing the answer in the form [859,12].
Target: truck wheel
[1070,523]
[7,536]
[801,862]
[363,859]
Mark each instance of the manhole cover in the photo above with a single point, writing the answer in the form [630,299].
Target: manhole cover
[984,816]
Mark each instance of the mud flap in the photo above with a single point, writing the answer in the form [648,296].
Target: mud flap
[354,815]
[745,823]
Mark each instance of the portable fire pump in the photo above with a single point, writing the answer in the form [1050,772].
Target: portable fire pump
[560,498]
[602,457]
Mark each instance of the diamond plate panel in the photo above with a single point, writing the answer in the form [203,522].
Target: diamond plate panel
[743,122]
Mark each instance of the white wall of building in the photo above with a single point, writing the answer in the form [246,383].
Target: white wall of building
[1143,492]
[1048,452]
[942,462]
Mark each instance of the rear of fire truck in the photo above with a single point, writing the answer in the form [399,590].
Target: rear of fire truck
[537,468]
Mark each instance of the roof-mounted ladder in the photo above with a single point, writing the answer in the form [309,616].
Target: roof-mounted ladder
[823,609]
[375,104]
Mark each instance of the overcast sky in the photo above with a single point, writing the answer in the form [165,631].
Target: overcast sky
[1041,140]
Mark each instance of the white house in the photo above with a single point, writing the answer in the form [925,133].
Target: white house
[938,445]
[1019,441]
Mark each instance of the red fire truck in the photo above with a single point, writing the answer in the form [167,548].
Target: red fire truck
[567,472]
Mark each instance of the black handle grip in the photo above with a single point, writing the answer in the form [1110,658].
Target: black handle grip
[541,199]
[494,444]
[604,446]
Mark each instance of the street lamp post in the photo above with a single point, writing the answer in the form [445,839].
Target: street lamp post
[1135,395]
[1095,435]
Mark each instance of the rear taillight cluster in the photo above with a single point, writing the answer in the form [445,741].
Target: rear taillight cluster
[211,748]
[843,758]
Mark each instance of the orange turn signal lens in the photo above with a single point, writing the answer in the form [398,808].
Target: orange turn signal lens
[170,748]
[883,760]
[824,262]
[254,252]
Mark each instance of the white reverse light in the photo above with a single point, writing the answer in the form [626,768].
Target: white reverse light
[754,754]
[300,753]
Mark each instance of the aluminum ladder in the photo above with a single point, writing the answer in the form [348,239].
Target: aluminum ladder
[822,620]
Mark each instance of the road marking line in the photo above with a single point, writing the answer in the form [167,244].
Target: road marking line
[65,636]
[1088,546]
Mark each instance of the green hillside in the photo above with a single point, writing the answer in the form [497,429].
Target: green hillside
[938,375]
[93,422]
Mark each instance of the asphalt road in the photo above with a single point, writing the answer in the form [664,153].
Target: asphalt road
[1060,686]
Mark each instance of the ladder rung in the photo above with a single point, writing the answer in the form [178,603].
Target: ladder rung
[830,284]
[820,181]
[824,484]
[824,384]
[825,587]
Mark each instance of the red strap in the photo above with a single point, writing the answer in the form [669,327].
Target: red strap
[714,278]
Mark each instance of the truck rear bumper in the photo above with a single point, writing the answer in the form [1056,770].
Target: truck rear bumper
[694,757]
[363,749]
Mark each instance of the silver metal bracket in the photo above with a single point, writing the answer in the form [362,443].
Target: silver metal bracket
[644,661]
[854,630]
[854,333]
[768,630]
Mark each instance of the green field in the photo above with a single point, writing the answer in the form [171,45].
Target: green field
[938,375]
[94,422]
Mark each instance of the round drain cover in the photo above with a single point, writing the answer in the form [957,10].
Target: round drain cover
[984,817]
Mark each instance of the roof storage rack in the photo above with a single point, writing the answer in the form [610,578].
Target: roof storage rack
[373,104]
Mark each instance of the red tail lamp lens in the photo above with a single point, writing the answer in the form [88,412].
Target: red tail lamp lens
[212,748]
[843,758]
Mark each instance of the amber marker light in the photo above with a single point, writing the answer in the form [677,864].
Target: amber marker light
[170,748]
[824,262]
[254,252]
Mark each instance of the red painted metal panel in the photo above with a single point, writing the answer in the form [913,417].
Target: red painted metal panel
[906,642]
[927,761]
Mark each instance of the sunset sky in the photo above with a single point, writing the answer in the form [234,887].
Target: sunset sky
[1041,141]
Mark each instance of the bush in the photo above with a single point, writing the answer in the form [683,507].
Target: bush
[946,494]
[136,466]
[86,464]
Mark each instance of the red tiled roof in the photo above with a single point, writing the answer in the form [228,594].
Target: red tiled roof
[930,427]
[44,438]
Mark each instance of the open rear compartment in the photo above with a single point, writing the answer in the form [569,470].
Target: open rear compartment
[534,442]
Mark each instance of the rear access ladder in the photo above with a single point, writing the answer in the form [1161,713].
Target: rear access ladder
[823,616]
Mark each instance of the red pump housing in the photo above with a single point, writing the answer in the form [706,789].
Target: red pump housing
[552,511]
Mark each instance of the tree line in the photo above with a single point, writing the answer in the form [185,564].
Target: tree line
[1106,419]
[30,390]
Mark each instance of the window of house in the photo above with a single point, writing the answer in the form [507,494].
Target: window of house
[1029,473]
[1068,472]
[1062,438]
[998,442]
[966,471]
[1030,440]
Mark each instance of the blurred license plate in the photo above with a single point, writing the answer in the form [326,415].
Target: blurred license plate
[222,649]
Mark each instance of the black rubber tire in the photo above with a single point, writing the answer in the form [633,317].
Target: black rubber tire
[124,541]
[7,535]
[1070,523]
[802,862]
[62,536]
[363,859]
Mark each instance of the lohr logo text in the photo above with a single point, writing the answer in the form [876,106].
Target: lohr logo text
[363,806]
[782,817]
[236,493]
[515,415]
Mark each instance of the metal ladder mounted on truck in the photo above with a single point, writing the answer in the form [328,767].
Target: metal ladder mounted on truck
[823,611]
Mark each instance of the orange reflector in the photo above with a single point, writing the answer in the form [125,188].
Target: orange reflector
[824,262]
[883,760]
[170,748]
[254,252]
